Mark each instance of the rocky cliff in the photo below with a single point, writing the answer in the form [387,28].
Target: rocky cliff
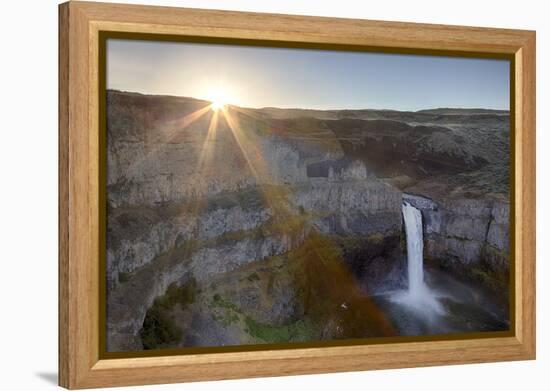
[469,237]
[239,224]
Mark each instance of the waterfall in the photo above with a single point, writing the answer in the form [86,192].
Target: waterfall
[419,296]
[415,249]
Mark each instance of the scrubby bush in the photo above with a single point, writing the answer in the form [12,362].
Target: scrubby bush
[123,277]
[159,328]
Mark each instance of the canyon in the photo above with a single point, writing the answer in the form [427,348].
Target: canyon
[245,226]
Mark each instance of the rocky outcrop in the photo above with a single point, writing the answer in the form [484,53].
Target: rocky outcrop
[350,207]
[340,169]
[137,235]
[467,236]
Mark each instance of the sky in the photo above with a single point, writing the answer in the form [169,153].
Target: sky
[303,78]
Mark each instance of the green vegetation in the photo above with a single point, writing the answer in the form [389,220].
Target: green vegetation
[175,294]
[123,277]
[487,274]
[376,238]
[253,277]
[358,242]
[484,278]
[220,302]
[290,224]
[297,331]
[497,281]
[224,311]
[226,319]
[159,328]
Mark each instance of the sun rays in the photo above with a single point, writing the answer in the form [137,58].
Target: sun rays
[200,129]
[184,122]
[207,146]
[175,129]
[172,130]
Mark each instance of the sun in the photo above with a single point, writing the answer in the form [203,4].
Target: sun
[220,98]
[218,104]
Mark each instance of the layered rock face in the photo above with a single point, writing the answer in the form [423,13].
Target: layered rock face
[187,206]
[260,215]
[469,237]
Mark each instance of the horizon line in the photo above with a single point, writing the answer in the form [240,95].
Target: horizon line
[310,108]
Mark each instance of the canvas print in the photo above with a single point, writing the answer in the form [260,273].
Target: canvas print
[265,195]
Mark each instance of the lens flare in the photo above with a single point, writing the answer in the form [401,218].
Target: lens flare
[220,98]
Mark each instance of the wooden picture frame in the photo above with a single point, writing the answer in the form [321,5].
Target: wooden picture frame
[81,364]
